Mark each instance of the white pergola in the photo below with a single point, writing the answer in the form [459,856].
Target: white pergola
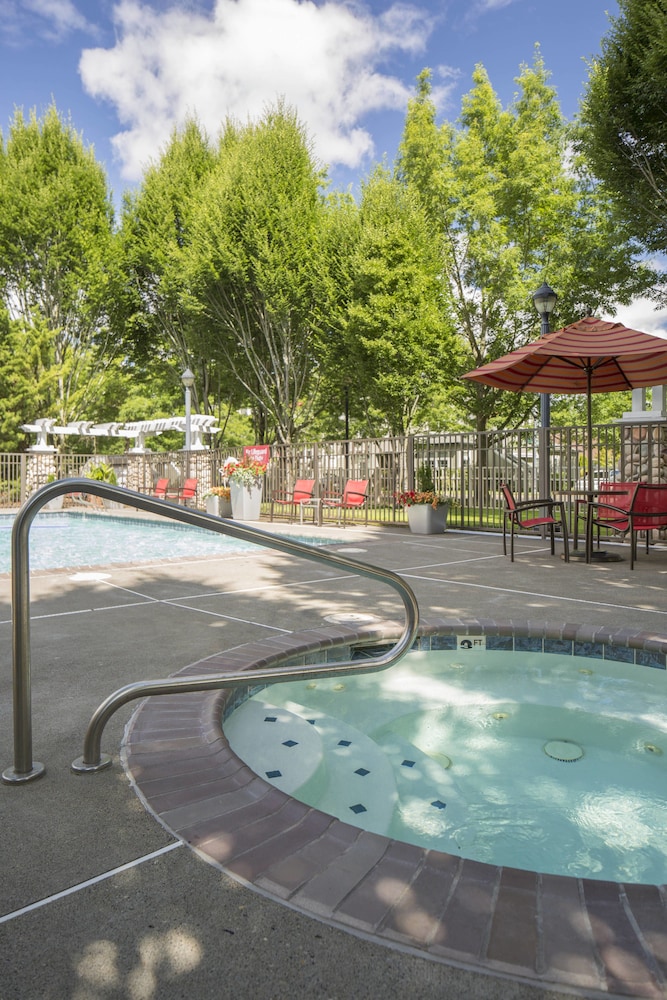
[46,427]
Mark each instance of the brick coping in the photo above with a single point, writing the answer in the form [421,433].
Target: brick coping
[603,938]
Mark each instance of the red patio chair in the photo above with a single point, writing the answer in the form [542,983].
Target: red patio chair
[188,491]
[637,507]
[615,500]
[303,492]
[515,513]
[161,487]
[355,495]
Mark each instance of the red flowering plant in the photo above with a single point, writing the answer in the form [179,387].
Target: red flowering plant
[245,472]
[408,498]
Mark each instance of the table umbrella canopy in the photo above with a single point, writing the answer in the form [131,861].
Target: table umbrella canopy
[591,355]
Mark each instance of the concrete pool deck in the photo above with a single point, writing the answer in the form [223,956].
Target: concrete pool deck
[100,900]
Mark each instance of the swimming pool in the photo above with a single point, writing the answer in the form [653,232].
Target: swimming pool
[73,539]
[528,760]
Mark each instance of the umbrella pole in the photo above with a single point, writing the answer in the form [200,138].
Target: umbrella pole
[600,555]
[589,428]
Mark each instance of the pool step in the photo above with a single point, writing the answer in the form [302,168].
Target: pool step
[429,801]
[359,780]
[319,759]
[380,782]
[277,744]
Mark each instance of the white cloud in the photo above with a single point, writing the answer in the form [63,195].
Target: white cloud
[485,5]
[643,315]
[323,59]
[50,19]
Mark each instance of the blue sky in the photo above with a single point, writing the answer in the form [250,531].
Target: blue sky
[129,70]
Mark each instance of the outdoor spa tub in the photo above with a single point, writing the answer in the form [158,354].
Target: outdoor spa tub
[452,854]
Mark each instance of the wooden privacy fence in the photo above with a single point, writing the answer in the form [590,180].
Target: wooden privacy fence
[466,466]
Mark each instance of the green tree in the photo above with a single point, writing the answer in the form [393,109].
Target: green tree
[57,261]
[337,394]
[25,385]
[623,130]
[162,333]
[512,209]
[397,338]
[260,278]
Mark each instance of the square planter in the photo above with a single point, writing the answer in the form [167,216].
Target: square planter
[246,502]
[218,506]
[425,520]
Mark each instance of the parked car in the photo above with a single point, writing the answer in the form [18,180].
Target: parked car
[600,476]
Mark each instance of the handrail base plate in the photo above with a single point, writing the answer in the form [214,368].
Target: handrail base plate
[13,777]
[79,766]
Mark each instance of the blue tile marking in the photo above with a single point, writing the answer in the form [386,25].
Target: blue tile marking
[443,642]
[651,658]
[563,646]
[344,743]
[362,771]
[274,774]
[358,808]
[291,743]
[594,650]
[439,805]
[622,654]
[407,763]
[270,718]
[500,642]
[527,644]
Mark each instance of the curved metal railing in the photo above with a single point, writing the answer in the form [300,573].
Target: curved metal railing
[25,769]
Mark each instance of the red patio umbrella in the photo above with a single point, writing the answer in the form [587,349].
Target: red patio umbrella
[591,355]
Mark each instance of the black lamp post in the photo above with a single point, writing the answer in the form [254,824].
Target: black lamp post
[545,302]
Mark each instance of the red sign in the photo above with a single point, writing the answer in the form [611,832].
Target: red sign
[258,453]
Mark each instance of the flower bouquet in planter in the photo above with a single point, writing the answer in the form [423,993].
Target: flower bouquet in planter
[427,511]
[246,478]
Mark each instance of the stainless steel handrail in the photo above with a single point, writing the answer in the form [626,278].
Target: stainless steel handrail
[25,769]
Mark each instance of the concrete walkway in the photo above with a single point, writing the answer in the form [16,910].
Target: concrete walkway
[102,903]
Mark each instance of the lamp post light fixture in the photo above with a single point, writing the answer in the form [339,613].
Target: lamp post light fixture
[545,301]
[188,380]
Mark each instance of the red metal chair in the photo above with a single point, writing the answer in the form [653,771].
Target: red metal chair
[616,497]
[628,507]
[515,513]
[303,492]
[188,491]
[355,495]
[161,487]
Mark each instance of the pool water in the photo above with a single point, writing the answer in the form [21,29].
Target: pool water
[59,541]
[530,760]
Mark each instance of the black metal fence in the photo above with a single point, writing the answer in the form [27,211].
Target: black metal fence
[468,467]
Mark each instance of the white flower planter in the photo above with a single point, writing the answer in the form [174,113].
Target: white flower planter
[218,506]
[246,502]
